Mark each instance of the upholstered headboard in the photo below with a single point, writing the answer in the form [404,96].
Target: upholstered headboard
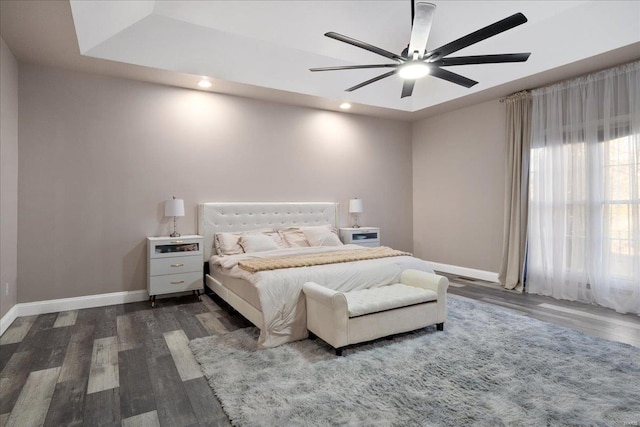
[220,217]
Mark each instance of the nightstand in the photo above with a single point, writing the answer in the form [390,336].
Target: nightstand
[174,264]
[363,236]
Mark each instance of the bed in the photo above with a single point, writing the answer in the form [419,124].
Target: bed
[272,300]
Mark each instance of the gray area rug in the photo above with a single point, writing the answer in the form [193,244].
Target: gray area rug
[490,367]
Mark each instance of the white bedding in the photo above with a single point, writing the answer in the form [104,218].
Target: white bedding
[280,291]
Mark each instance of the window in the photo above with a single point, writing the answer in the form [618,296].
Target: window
[620,209]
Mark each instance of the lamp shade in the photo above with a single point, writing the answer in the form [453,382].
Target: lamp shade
[174,207]
[355,206]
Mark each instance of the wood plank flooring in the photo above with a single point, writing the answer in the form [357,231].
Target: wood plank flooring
[589,319]
[130,365]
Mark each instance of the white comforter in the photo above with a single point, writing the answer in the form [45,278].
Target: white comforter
[280,291]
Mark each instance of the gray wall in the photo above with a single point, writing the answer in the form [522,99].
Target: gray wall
[99,155]
[8,179]
[458,181]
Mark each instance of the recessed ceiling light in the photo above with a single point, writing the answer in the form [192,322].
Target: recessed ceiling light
[205,84]
[414,70]
[345,105]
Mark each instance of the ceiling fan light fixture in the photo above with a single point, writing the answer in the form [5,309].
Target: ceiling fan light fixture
[414,70]
[416,61]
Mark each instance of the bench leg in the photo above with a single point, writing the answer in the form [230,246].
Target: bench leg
[440,326]
[339,351]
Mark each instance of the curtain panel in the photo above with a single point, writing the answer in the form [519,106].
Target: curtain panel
[584,197]
[518,142]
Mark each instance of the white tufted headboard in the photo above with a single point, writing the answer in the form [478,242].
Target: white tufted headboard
[220,217]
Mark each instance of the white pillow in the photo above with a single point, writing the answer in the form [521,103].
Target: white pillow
[229,243]
[276,238]
[321,236]
[257,243]
[294,237]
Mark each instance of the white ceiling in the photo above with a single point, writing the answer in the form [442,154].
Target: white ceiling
[175,42]
[272,44]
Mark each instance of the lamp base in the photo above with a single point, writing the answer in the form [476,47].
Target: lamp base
[356,217]
[175,232]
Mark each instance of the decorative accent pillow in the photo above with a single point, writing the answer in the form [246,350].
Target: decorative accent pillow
[321,236]
[276,238]
[229,243]
[257,243]
[293,237]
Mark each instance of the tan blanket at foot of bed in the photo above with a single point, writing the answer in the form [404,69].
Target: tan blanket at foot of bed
[263,264]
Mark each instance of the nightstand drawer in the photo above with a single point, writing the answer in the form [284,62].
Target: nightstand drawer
[176,265]
[364,236]
[176,283]
[167,248]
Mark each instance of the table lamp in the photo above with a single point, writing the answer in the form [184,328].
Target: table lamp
[355,208]
[174,207]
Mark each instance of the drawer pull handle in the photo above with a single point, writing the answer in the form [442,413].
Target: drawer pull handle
[178,283]
[177,265]
[177,241]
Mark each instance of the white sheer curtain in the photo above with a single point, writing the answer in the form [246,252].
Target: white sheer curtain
[584,196]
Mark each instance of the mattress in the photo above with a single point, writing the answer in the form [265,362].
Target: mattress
[245,290]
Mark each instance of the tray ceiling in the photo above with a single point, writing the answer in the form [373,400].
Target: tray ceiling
[272,44]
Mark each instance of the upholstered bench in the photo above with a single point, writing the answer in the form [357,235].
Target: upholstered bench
[342,319]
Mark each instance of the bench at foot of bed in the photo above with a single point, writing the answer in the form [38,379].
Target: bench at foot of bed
[342,319]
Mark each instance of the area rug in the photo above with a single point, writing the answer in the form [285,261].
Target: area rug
[489,367]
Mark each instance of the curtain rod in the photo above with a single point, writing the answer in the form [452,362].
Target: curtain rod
[515,95]
[624,64]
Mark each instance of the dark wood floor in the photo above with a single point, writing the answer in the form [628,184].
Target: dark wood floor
[130,365]
[590,319]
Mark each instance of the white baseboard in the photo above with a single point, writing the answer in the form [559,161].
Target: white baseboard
[65,304]
[488,276]
[8,318]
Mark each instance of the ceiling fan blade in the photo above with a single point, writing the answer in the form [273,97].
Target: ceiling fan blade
[452,77]
[353,67]
[421,27]
[363,45]
[373,80]
[477,36]
[407,88]
[482,59]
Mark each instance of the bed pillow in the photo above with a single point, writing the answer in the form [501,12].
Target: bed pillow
[276,238]
[229,243]
[293,237]
[321,236]
[257,243]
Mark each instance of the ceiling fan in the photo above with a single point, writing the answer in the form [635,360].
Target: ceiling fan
[415,62]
